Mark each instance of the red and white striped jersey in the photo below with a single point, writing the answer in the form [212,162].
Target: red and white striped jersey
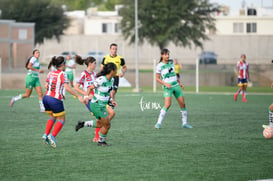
[56,80]
[86,80]
[242,68]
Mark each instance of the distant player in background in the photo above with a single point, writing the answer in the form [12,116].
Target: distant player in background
[119,62]
[32,80]
[270,114]
[56,82]
[70,66]
[98,105]
[86,79]
[243,77]
[177,68]
[165,75]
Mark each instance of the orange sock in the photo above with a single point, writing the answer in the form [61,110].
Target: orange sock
[57,128]
[97,130]
[49,126]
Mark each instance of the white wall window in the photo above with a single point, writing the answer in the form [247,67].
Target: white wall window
[107,28]
[251,27]
[117,28]
[238,27]
[22,34]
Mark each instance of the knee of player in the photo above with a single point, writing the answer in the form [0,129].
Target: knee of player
[108,125]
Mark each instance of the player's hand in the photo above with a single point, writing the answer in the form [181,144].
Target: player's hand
[81,99]
[41,71]
[121,74]
[86,99]
[182,86]
[272,85]
[168,85]
[114,103]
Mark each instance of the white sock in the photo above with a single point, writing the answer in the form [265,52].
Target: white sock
[88,123]
[184,117]
[161,116]
[42,107]
[270,119]
[17,98]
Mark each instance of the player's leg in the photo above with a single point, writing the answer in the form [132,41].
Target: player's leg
[168,100]
[50,122]
[111,114]
[244,92]
[239,90]
[40,97]
[178,93]
[106,125]
[270,117]
[59,113]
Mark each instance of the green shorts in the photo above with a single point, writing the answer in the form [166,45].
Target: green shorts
[99,110]
[176,91]
[70,76]
[32,82]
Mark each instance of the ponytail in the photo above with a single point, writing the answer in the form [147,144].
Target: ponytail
[88,60]
[30,57]
[56,62]
[27,62]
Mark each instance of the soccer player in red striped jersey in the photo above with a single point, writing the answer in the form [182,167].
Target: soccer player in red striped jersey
[56,84]
[243,77]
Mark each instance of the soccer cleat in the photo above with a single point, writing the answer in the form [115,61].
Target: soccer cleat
[52,140]
[186,126]
[46,140]
[157,126]
[95,139]
[244,100]
[103,144]
[235,97]
[79,125]
[12,101]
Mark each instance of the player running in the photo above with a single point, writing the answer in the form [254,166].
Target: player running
[56,83]
[103,86]
[32,80]
[86,79]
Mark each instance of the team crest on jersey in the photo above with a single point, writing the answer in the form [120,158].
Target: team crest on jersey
[104,112]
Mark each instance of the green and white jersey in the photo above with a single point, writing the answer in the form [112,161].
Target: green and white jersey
[35,64]
[69,63]
[167,73]
[102,90]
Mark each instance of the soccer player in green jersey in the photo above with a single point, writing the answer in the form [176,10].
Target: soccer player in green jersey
[165,75]
[102,86]
[270,115]
[32,80]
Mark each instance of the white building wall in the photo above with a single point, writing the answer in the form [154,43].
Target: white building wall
[224,24]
